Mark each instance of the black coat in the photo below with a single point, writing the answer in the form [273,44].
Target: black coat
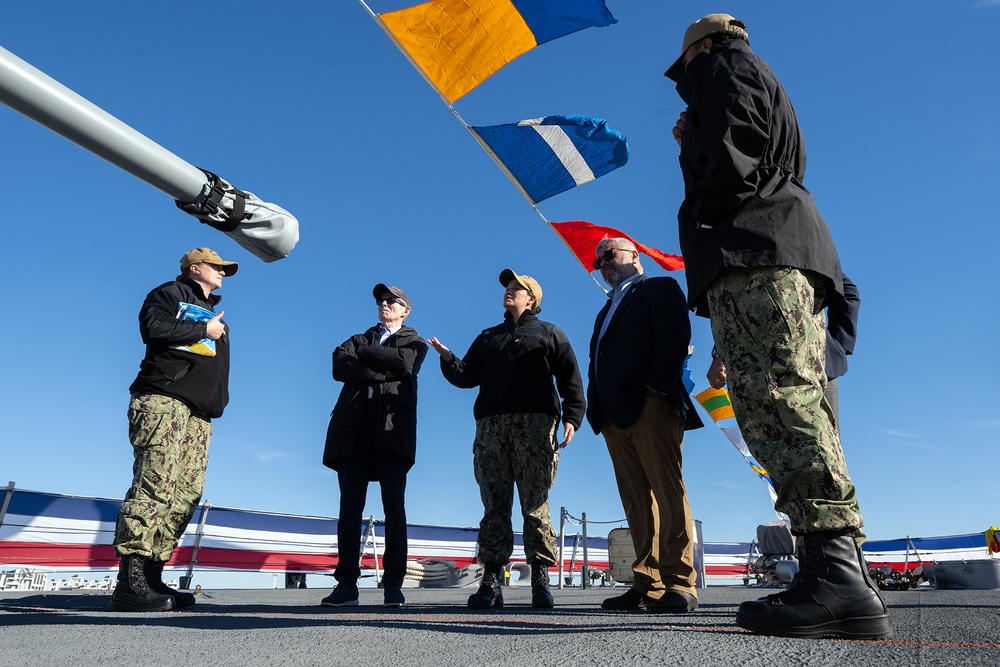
[643,348]
[390,370]
[201,382]
[743,160]
[513,365]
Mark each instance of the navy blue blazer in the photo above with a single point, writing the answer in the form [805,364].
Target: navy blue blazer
[841,328]
[644,348]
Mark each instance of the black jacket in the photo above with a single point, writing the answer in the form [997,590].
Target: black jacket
[743,160]
[513,365]
[201,382]
[390,370]
[643,348]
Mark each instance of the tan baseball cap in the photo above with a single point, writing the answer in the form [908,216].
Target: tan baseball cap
[527,282]
[701,29]
[209,256]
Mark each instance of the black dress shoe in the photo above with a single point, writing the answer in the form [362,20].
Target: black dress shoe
[344,595]
[674,602]
[627,601]
[393,598]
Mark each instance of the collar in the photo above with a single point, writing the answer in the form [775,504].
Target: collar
[686,83]
[199,290]
[526,316]
[624,286]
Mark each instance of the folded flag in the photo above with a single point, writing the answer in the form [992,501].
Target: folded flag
[546,156]
[458,44]
[582,238]
[192,313]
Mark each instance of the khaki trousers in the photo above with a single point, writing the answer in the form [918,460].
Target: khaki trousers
[647,462]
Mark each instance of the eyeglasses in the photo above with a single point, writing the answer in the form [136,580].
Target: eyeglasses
[389,300]
[218,267]
[607,257]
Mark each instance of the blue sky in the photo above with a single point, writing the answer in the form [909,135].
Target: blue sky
[310,106]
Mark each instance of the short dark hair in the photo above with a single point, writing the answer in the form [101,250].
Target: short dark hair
[727,35]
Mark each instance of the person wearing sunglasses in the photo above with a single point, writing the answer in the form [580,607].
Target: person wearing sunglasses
[637,400]
[372,437]
[517,415]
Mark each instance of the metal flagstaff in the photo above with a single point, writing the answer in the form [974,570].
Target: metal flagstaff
[519,187]
[392,37]
[478,139]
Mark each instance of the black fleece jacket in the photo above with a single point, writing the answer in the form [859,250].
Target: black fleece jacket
[513,365]
[201,382]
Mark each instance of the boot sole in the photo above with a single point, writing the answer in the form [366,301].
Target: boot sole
[115,605]
[864,627]
[542,601]
[182,603]
[497,603]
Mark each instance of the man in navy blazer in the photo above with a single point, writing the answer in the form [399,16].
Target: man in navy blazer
[637,400]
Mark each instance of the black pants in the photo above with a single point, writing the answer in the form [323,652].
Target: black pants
[366,464]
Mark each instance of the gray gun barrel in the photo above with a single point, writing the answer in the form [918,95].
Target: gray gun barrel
[38,96]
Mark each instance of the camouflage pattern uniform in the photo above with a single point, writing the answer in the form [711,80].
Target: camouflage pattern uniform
[171,454]
[509,449]
[178,391]
[768,326]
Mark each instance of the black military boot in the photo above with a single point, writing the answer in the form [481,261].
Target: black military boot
[831,595]
[133,592]
[154,577]
[489,594]
[541,597]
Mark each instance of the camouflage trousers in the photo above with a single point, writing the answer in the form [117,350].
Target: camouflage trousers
[772,339]
[516,449]
[168,475]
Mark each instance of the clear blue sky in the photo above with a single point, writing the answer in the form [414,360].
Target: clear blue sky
[310,106]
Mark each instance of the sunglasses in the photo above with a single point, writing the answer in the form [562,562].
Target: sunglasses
[390,300]
[607,256]
[218,268]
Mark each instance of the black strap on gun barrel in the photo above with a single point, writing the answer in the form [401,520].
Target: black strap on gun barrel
[208,209]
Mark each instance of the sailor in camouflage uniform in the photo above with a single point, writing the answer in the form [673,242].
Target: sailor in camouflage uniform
[760,262]
[183,383]
[517,415]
